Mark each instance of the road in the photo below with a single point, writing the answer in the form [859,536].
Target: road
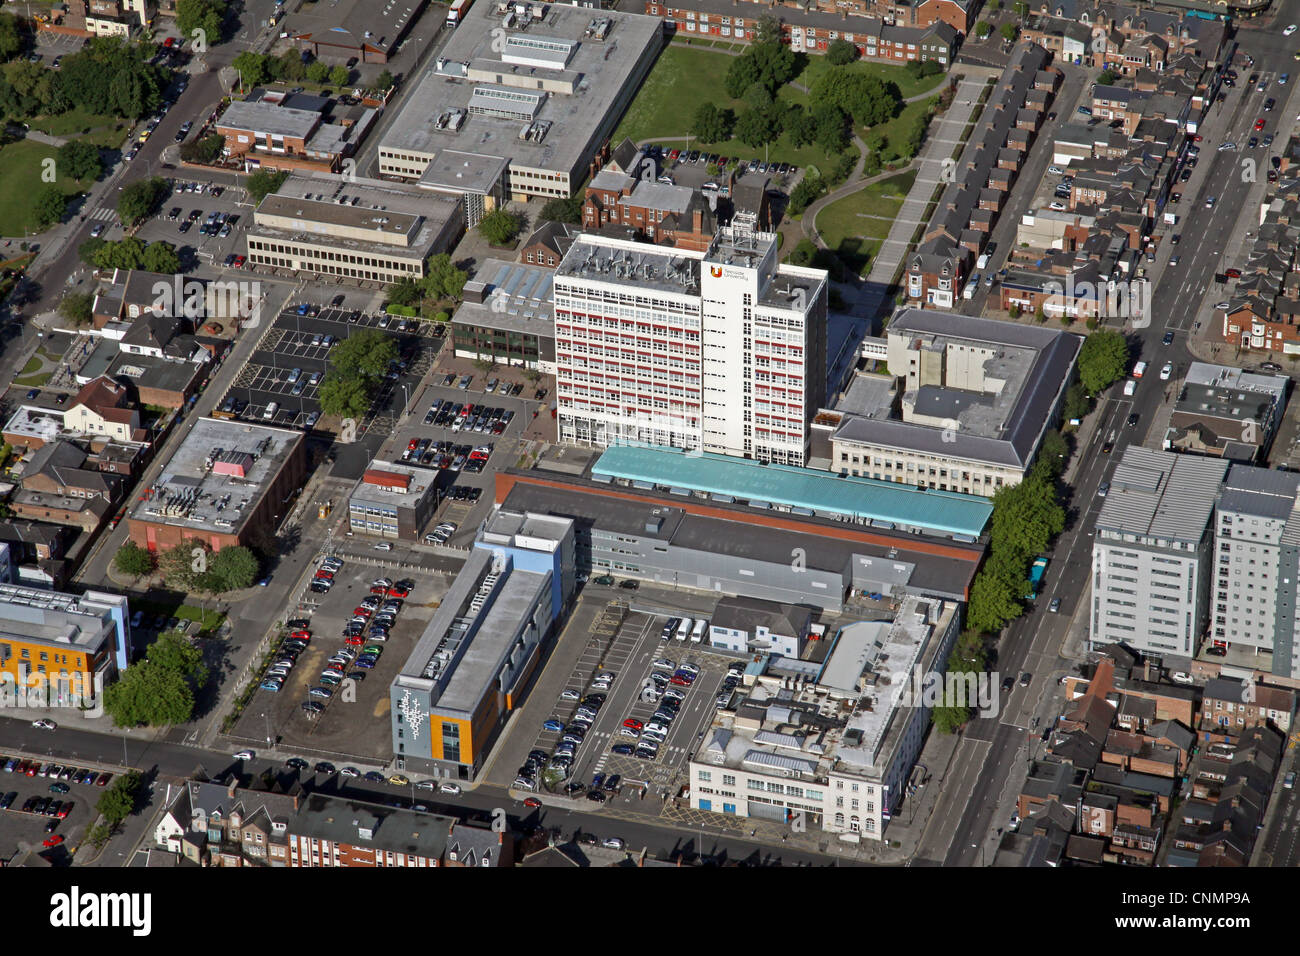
[995,751]
[170,762]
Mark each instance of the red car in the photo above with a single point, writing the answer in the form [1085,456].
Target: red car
[32,769]
[301,635]
[376,589]
[65,810]
[680,682]
[362,611]
[413,444]
[1196,138]
[355,641]
[325,575]
[239,262]
[399,592]
[103,780]
[532,802]
[1233,273]
[54,840]
[1259,125]
[633,723]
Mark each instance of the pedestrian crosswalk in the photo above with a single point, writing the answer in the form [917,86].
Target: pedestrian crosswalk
[102,213]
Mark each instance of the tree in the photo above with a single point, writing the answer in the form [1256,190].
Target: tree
[1026,517]
[264,182]
[404,292]
[254,69]
[1077,402]
[344,397]
[289,65]
[758,98]
[920,69]
[182,566]
[366,355]
[11,38]
[711,124]
[133,560]
[562,210]
[800,126]
[809,190]
[385,80]
[76,307]
[119,801]
[161,257]
[499,227]
[804,253]
[140,199]
[742,73]
[442,280]
[1009,31]
[340,75]
[995,596]
[79,160]
[126,253]
[767,31]
[1053,453]
[1107,77]
[868,99]
[1102,360]
[754,128]
[318,72]
[204,151]
[50,205]
[203,15]
[149,695]
[832,126]
[232,569]
[840,52]
[983,29]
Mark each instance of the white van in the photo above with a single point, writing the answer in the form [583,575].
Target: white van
[971,287]
[271,410]
[1130,386]
[697,632]
[982,262]
[684,628]
[1139,369]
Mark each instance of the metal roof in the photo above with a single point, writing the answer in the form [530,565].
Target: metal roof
[1159,494]
[944,512]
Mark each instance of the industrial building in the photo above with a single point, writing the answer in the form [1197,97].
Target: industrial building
[725,547]
[229,483]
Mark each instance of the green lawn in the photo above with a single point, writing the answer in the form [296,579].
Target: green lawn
[907,86]
[855,227]
[895,130]
[683,79]
[107,132]
[20,171]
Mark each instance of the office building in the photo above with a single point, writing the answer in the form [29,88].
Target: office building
[487,637]
[350,227]
[540,85]
[1151,564]
[393,501]
[1227,412]
[964,408]
[52,632]
[721,351]
[506,315]
[832,746]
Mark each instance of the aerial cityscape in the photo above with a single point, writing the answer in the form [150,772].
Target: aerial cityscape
[522,434]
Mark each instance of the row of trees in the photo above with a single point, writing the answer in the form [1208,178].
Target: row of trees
[1026,517]
[192,566]
[130,253]
[116,804]
[257,68]
[201,20]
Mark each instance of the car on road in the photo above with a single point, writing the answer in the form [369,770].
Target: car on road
[1107,447]
[1132,419]
[1232,273]
[1289,30]
[1103,489]
[1024,679]
[1227,146]
[1055,170]
[1209,202]
[1259,124]
[1055,605]
[246,755]
[450,788]
[1168,339]
[1289,780]
[44,724]
[1166,371]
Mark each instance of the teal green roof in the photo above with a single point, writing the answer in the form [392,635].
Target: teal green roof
[946,512]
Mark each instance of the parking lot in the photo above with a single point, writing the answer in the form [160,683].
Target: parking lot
[353,721]
[268,389]
[626,647]
[66,806]
[182,215]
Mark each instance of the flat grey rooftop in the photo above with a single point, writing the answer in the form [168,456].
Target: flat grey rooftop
[1262,492]
[190,494]
[1161,496]
[600,68]
[259,116]
[660,268]
[454,169]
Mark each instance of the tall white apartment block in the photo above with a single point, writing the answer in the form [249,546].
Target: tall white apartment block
[722,351]
[1151,557]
